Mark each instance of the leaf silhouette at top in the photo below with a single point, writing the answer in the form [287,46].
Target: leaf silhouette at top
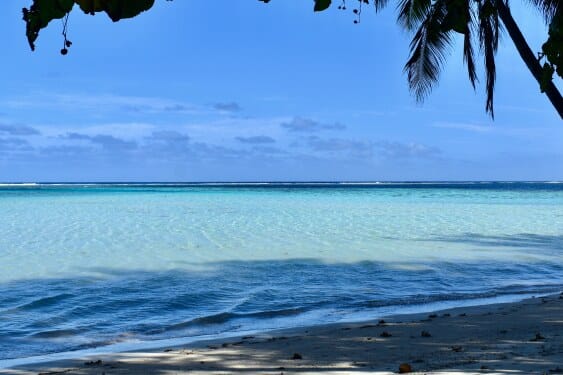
[41,12]
[321,5]
[115,9]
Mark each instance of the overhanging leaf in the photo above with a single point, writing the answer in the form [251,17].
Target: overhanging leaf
[116,9]
[40,13]
[321,5]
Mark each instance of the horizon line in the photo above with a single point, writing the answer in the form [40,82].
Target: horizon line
[255,182]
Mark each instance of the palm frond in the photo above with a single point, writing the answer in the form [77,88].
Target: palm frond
[468,52]
[412,12]
[380,4]
[488,37]
[428,50]
[548,8]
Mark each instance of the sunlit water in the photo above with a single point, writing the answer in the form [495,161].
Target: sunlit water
[91,265]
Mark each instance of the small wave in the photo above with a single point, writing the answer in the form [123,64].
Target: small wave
[57,333]
[513,290]
[224,317]
[44,302]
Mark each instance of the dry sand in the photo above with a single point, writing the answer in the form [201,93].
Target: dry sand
[513,338]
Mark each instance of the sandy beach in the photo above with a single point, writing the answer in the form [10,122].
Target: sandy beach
[511,338]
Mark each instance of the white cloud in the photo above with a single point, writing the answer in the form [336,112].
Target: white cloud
[103,103]
[464,126]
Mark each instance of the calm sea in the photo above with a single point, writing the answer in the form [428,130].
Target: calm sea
[90,265]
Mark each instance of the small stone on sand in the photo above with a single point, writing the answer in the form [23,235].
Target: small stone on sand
[93,363]
[425,334]
[405,368]
[296,356]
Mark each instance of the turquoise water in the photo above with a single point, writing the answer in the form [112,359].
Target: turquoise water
[84,266]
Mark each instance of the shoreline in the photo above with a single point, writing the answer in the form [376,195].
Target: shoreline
[458,339]
[363,317]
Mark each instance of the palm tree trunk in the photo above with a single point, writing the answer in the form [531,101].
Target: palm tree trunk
[528,56]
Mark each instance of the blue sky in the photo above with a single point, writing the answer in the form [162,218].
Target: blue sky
[194,91]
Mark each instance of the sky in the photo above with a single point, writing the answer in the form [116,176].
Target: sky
[246,91]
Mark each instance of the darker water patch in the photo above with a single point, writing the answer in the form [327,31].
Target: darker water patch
[57,333]
[44,302]
[142,305]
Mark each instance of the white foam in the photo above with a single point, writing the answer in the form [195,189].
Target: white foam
[18,184]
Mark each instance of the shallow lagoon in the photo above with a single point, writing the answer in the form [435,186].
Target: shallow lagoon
[89,265]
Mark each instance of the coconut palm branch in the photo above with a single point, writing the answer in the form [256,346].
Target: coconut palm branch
[434,24]
[428,50]
[550,9]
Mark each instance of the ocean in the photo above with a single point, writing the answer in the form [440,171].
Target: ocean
[90,266]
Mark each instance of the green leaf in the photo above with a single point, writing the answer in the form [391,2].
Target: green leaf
[116,9]
[40,13]
[546,76]
[553,47]
[321,5]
